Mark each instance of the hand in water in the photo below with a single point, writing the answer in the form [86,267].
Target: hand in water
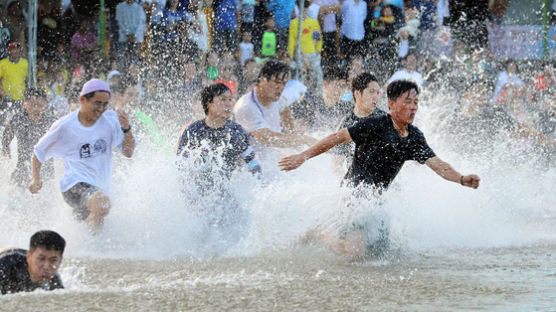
[35,186]
[471,180]
[291,162]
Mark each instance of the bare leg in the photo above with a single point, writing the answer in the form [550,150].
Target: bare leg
[99,205]
[352,246]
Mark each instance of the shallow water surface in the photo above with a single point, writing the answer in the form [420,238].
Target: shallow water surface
[308,279]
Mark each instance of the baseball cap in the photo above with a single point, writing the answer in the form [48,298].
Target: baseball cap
[94,85]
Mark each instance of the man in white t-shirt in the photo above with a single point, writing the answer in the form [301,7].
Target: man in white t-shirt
[409,72]
[264,112]
[85,139]
[354,13]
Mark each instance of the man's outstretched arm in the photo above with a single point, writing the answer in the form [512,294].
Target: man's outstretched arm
[293,161]
[446,171]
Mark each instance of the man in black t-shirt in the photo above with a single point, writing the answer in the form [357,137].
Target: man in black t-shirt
[366,92]
[28,126]
[382,145]
[22,270]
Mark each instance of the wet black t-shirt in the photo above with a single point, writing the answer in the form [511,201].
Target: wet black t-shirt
[380,151]
[231,142]
[14,274]
[350,119]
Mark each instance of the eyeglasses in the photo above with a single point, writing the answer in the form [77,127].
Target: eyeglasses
[100,105]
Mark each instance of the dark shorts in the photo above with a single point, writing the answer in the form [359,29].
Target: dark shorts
[77,197]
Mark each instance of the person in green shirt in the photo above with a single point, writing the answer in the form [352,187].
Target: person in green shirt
[268,48]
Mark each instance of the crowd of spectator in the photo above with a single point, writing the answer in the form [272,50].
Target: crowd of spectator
[168,50]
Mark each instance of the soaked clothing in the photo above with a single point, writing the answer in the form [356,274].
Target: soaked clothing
[14,274]
[231,142]
[27,133]
[380,151]
[347,149]
[77,197]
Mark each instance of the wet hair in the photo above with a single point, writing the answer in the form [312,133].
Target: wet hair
[398,87]
[361,82]
[49,240]
[335,71]
[210,92]
[273,68]
[35,92]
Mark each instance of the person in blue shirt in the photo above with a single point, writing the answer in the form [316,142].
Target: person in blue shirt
[226,20]
[283,11]
[172,15]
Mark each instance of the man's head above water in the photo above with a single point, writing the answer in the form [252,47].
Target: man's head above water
[45,254]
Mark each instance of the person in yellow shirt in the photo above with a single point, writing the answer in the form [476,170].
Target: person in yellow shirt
[311,46]
[13,74]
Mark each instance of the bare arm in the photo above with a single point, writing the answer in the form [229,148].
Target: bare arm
[293,161]
[129,144]
[129,141]
[36,183]
[446,171]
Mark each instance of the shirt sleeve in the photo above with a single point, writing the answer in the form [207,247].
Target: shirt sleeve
[5,264]
[421,151]
[283,102]
[313,11]
[182,143]
[344,149]
[50,145]
[248,154]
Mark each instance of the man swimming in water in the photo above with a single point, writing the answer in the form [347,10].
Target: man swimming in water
[383,143]
[27,270]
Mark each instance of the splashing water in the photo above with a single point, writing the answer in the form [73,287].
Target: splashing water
[155,212]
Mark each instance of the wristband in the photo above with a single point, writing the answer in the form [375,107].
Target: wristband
[461,180]
[126,130]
